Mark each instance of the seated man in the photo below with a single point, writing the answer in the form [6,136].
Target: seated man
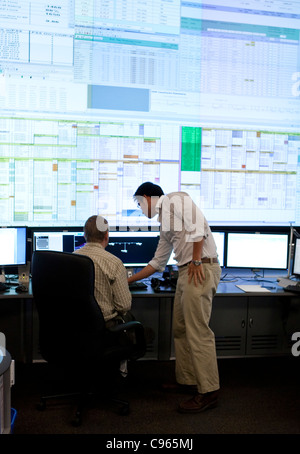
[111,286]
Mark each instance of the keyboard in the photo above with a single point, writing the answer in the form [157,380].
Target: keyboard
[4,287]
[137,286]
[292,288]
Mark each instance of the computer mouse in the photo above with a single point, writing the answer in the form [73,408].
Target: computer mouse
[21,289]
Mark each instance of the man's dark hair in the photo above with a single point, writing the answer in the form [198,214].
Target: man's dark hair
[149,189]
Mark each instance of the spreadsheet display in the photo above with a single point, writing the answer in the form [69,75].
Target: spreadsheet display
[97,97]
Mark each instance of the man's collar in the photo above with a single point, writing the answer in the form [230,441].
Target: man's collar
[94,243]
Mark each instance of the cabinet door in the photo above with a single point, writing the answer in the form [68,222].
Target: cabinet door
[146,311]
[266,325]
[229,324]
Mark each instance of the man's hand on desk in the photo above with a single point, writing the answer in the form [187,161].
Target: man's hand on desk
[142,274]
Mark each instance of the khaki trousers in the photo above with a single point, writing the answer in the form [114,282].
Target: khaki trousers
[195,350]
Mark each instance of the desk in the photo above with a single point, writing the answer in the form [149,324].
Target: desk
[16,323]
[245,324]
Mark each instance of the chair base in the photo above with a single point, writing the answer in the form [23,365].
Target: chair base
[123,410]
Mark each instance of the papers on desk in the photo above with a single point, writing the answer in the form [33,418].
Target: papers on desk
[252,288]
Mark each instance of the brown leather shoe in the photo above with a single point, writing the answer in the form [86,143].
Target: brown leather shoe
[178,388]
[199,402]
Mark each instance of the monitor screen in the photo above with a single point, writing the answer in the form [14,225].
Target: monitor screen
[13,245]
[296,260]
[257,250]
[59,240]
[138,248]
[133,248]
[97,97]
[219,238]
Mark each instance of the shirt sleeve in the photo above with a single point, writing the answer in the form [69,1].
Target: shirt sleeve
[162,254]
[121,294]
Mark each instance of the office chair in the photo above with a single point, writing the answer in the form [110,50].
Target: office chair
[72,332]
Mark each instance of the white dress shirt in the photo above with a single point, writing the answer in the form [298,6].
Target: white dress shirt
[181,224]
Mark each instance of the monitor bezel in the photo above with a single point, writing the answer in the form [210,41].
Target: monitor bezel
[10,267]
[257,232]
[222,261]
[296,271]
[133,234]
[63,229]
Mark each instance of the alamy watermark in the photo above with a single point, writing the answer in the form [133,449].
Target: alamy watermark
[180,213]
[296,345]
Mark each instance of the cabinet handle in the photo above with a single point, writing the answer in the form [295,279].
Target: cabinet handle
[251,322]
[243,324]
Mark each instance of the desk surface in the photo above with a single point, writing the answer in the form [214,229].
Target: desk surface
[12,293]
[224,289]
[227,286]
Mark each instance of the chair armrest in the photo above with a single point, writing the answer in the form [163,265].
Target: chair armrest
[134,324]
[137,329]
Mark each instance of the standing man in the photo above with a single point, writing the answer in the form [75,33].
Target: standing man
[184,229]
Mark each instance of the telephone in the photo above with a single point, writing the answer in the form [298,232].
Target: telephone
[170,276]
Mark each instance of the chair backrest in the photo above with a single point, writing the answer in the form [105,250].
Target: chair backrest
[71,323]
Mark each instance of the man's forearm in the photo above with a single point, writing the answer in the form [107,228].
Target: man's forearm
[142,274]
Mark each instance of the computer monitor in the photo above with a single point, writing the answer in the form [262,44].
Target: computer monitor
[219,238]
[100,95]
[296,260]
[13,245]
[138,248]
[257,250]
[57,240]
[135,249]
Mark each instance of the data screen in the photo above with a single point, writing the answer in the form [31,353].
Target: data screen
[133,248]
[57,240]
[219,238]
[98,97]
[257,250]
[296,259]
[13,243]
[138,248]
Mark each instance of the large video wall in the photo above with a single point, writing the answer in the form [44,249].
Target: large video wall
[99,96]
